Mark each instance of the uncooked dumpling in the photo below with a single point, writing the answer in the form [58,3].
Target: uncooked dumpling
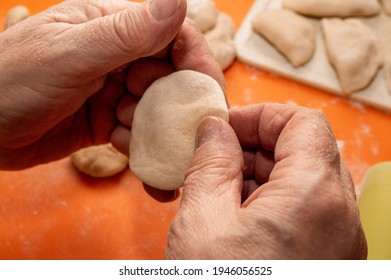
[387,6]
[203,12]
[353,50]
[293,35]
[99,161]
[333,8]
[15,15]
[221,40]
[165,125]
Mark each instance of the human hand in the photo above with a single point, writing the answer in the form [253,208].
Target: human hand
[275,190]
[64,73]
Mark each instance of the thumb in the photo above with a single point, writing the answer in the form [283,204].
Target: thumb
[214,177]
[135,30]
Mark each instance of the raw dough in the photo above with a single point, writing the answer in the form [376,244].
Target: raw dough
[99,161]
[15,15]
[293,35]
[165,125]
[203,12]
[353,50]
[333,8]
[387,6]
[221,40]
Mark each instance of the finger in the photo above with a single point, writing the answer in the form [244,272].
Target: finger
[141,29]
[101,108]
[161,195]
[120,138]
[126,108]
[258,165]
[259,125]
[214,178]
[143,72]
[190,51]
[305,150]
[120,72]
[249,186]
[263,125]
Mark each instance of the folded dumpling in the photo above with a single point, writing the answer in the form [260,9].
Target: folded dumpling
[221,40]
[333,8]
[203,12]
[293,35]
[354,51]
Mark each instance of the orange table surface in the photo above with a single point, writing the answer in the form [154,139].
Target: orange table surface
[53,212]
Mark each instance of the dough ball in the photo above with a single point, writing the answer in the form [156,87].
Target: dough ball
[203,12]
[387,6]
[333,8]
[353,50]
[221,40]
[165,125]
[295,38]
[15,15]
[99,161]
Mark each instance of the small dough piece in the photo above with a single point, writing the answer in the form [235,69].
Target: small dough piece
[203,12]
[387,6]
[15,15]
[221,40]
[293,35]
[99,161]
[165,125]
[333,8]
[353,50]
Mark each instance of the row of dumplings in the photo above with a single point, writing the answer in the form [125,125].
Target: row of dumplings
[350,43]
[217,27]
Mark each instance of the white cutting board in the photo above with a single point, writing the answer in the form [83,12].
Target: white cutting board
[256,51]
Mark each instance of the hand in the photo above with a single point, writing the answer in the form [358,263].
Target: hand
[286,195]
[65,71]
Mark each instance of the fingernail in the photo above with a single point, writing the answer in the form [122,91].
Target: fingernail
[163,9]
[207,130]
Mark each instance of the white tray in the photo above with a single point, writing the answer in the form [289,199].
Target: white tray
[256,51]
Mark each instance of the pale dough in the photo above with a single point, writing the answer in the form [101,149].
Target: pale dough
[387,6]
[333,8]
[203,13]
[99,161]
[15,15]
[292,34]
[165,124]
[353,50]
[221,40]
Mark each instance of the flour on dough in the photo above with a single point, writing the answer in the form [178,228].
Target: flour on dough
[15,15]
[165,125]
[221,40]
[354,51]
[333,8]
[203,13]
[386,6]
[293,35]
[99,161]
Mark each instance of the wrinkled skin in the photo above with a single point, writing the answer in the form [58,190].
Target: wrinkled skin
[75,72]
[272,186]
